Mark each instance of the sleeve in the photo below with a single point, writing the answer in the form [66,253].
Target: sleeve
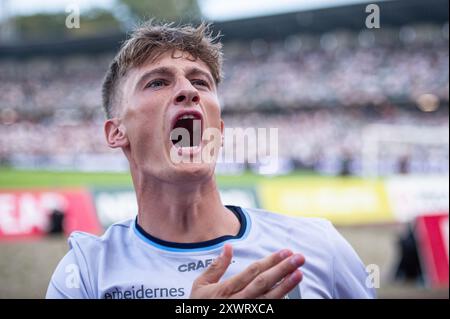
[350,278]
[70,278]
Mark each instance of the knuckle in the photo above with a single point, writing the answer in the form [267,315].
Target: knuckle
[261,283]
[240,283]
[215,265]
[226,290]
[196,283]
[254,269]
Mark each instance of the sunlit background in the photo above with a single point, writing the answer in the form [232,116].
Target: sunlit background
[362,119]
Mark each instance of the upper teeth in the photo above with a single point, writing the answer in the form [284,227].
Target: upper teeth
[186,117]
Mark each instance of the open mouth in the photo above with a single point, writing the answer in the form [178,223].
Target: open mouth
[187,130]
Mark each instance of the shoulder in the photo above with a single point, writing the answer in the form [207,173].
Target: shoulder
[322,244]
[319,231]
[75,276]
[85,243]
[301,226]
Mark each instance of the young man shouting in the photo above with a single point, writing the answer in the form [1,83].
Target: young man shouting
[184,242]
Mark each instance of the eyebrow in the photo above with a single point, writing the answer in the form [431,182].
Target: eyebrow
[197,71]
[158,71]
[168,71]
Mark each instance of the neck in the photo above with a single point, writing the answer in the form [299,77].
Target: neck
[187,213]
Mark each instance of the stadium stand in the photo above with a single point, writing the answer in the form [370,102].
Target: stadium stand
[327,84]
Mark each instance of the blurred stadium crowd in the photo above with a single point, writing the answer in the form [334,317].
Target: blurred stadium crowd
[326,88]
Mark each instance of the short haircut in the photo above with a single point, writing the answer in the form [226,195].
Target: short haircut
[150,40]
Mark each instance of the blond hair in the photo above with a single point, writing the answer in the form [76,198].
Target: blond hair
[150,40]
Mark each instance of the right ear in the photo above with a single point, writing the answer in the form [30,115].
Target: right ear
[115,133]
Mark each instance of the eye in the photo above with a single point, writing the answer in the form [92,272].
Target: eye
[200,82]
[156,84]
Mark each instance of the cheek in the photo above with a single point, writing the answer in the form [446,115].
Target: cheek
[144,127]
[149,105]
[213,114]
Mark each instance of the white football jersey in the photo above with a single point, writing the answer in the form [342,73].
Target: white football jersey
[128,263]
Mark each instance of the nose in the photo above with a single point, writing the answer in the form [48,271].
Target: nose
[187,97]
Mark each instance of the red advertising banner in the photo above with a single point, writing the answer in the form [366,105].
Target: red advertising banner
[432,237]
[27,213]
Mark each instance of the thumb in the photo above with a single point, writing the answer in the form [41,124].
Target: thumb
[217,269]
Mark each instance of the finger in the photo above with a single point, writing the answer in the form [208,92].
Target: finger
[218,267]
[241,280]
[268,279]
[288,283]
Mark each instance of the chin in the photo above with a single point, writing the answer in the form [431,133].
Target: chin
[184,172]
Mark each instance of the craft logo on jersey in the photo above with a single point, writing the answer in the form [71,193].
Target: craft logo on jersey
[196,265]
